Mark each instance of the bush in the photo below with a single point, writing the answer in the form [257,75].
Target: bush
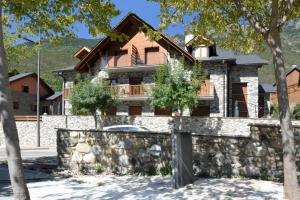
[296,112]
[166,169]
[99,168]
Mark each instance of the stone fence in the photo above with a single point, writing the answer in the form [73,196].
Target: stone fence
[200,125]
[258,154]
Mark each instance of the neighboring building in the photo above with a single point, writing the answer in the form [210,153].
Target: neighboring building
[293,84]
[231,88]
[24,90]
[264,99]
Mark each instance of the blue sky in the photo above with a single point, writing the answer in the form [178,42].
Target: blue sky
[148,11]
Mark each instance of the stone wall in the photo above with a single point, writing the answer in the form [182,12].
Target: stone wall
[116,152]
[27,129]
[258,155]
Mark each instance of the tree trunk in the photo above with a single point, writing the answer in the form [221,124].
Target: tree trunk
[14,159]
[290,171]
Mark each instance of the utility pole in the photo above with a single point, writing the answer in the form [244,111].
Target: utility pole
[38,95]
[37,89]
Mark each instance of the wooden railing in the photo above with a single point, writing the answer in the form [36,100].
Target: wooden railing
[144,90]
[207,89]
[26,118]
[127,90]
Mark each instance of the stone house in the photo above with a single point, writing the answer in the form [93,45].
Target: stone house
[23,88]
[231,88]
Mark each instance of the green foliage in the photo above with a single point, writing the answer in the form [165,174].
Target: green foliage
[99,168]
[87,97]
[55,82]
[296,112]
[275,110]
[166,169]
[177,87]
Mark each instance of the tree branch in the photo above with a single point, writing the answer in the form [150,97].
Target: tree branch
[247,14]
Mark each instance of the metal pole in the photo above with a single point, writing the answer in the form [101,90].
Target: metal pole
[38,96]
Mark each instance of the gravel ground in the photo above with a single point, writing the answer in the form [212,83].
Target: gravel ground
[108,187]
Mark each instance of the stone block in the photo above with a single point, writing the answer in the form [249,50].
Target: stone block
[83,148]
[76,157]
[89,158]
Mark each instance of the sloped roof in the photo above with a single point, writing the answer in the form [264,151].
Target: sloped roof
[20,76]
[292,68]
[23,75]
[118,26]
[240,59]
[54,96]
[65,69]
[266,88]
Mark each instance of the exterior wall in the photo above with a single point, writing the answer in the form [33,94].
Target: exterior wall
[31,82]
[293,89]
[209,126]
[258,155]
[217,75]
[120,153]
[249,75]
[25,102]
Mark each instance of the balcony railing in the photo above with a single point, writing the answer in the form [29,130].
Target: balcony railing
[126,90]
[144,90]
[129,60]
[207,89]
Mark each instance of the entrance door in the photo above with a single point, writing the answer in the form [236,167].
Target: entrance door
[239,99]
[135,88]
[135,110]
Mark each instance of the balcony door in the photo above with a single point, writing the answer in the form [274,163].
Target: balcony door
[135,88]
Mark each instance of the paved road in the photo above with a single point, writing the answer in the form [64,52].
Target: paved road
[31,153]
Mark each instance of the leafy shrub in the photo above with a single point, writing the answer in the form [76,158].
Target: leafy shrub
[99,168]
[296,112]
[166,169]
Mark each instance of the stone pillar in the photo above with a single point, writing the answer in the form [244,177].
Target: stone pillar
[182,161]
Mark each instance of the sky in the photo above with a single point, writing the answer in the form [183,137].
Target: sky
[148,11]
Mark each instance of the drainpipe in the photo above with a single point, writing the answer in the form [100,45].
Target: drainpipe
[228,86]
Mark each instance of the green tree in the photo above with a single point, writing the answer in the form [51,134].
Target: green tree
[88,97]
[246,25]
[177,86]
[54,19]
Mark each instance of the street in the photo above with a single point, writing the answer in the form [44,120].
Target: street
[31,152]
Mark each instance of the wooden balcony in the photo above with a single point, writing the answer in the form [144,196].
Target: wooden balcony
[144,90]
[126,90]
[207,90]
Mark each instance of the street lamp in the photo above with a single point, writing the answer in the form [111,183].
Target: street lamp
[37,90]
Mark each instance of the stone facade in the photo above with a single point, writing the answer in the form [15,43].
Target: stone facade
[249,75]
[120,153]
[258,155]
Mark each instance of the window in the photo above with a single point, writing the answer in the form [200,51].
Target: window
[201,111]
[33,108]
[25,88]
[16,105]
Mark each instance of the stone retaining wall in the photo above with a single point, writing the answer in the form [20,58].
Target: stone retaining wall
[257,155]
[120,153]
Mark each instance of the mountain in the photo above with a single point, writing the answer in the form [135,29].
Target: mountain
[56,57]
